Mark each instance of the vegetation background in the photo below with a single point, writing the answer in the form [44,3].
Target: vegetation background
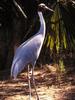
[55,71]
[15,29]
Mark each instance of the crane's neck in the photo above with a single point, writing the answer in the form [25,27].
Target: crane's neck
[42,24]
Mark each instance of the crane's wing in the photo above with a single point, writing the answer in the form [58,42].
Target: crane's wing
[29,47]
[18,49]
[27,53]
[29,39]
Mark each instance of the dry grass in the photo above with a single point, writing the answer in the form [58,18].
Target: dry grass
[49,87]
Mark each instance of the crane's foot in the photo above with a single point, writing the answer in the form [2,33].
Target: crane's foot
[38,98]
[29,84]
[29,97]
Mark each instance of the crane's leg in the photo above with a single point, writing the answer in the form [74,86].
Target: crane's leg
[29,84]
[33,79]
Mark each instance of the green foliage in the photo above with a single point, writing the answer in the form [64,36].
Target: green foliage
[61,65]
[50,42]
[59,38]
[62,33]
[58,29]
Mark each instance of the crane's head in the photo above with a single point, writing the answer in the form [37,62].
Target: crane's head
[42,7]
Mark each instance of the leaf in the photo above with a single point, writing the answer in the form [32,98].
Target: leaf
[61,65]
[48,41]
[51,43]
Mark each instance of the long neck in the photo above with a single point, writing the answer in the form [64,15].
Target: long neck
[42,24]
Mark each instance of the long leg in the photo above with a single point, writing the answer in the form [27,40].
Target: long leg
[29,84]
[33,79]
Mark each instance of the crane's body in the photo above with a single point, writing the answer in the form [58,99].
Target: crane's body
[28,52]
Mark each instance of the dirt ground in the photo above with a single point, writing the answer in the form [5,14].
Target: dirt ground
[50,86]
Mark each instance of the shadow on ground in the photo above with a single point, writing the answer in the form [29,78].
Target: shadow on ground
[48,84]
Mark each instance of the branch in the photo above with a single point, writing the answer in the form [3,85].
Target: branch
[20,9]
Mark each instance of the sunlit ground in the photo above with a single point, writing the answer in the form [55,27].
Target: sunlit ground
[48,87]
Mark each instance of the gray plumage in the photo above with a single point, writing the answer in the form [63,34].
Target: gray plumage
[28,52]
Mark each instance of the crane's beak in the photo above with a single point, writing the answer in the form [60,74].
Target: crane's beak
[47,8]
